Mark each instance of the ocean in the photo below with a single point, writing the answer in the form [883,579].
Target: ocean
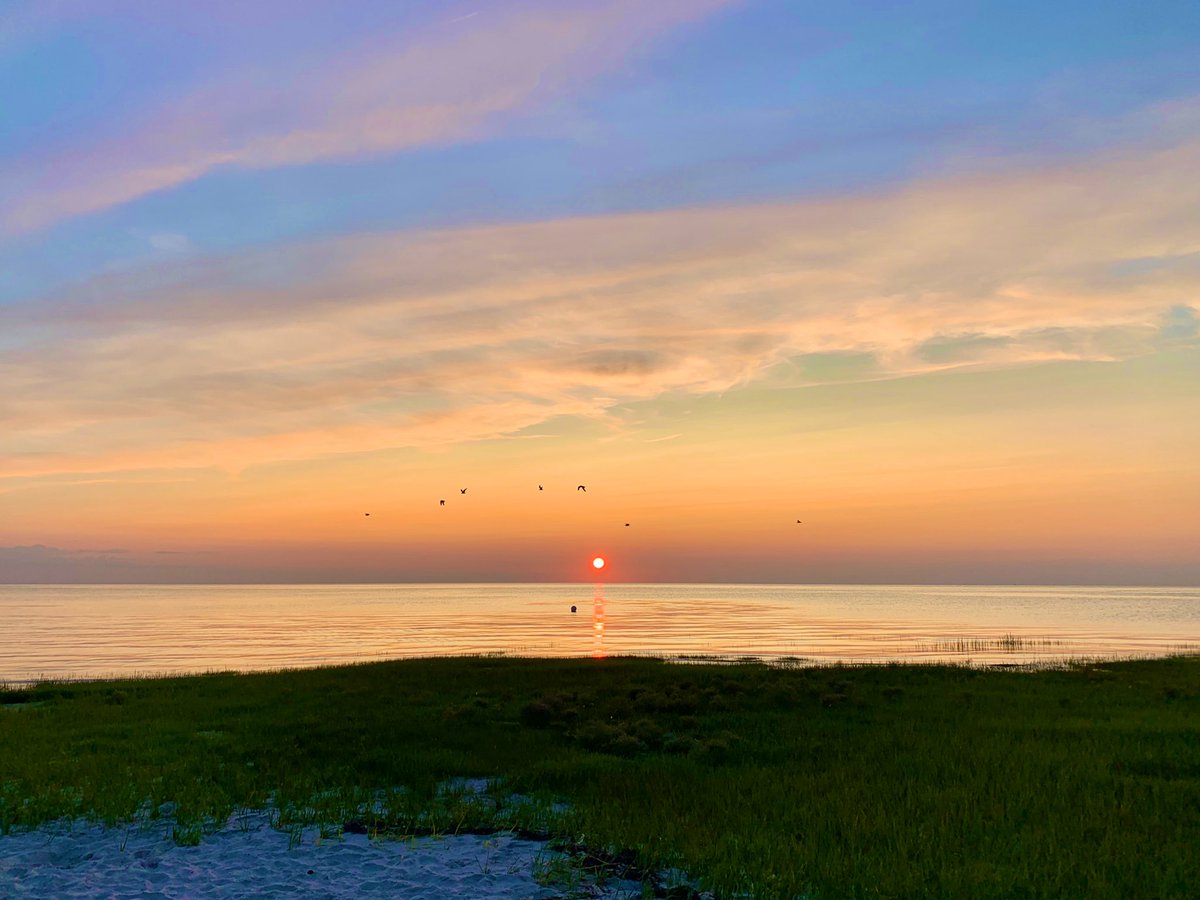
[82,631]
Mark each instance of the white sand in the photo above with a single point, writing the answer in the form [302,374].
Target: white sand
[249,858]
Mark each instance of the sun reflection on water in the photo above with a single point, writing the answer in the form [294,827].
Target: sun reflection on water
[598,651]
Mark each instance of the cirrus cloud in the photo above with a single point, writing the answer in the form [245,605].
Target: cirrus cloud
[434,337]
[452,81]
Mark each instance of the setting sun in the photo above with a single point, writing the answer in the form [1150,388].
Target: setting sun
[865,335]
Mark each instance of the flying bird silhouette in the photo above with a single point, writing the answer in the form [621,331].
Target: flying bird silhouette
[462,490]
[366,514]
[539,487]
[441,503]
[581,488]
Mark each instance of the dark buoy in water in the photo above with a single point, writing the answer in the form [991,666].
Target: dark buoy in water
[572,609]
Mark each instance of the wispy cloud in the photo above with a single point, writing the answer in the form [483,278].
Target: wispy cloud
[420,338]
[449,82]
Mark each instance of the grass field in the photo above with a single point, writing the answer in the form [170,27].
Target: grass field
[882,781]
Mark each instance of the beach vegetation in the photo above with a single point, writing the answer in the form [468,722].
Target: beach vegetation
[755,780]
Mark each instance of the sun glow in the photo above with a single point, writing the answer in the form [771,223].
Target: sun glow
[598,562]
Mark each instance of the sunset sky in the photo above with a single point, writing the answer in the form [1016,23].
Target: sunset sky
[924,276]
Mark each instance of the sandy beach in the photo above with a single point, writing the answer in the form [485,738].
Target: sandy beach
[249,858]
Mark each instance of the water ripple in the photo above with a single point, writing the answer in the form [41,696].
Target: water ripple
[76,631]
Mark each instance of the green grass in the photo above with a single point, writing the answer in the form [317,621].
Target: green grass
[889,781]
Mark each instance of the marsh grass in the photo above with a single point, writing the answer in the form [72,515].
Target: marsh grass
[1008,643]
[837,781]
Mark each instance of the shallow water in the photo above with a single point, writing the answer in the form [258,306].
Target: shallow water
[247,858]
[72,631]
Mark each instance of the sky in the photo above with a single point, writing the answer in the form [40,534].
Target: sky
[802,292]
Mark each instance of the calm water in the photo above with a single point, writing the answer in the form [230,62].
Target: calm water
[95,630]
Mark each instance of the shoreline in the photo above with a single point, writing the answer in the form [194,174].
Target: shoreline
[1046,664]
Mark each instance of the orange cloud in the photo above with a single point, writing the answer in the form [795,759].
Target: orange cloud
[427,338]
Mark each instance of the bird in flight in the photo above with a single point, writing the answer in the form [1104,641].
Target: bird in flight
[798,522]
[626,524]
[540,487]
[366,514]
[462,490]
[441,503]
[581,488]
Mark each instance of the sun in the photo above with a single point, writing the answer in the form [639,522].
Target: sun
[598,562]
